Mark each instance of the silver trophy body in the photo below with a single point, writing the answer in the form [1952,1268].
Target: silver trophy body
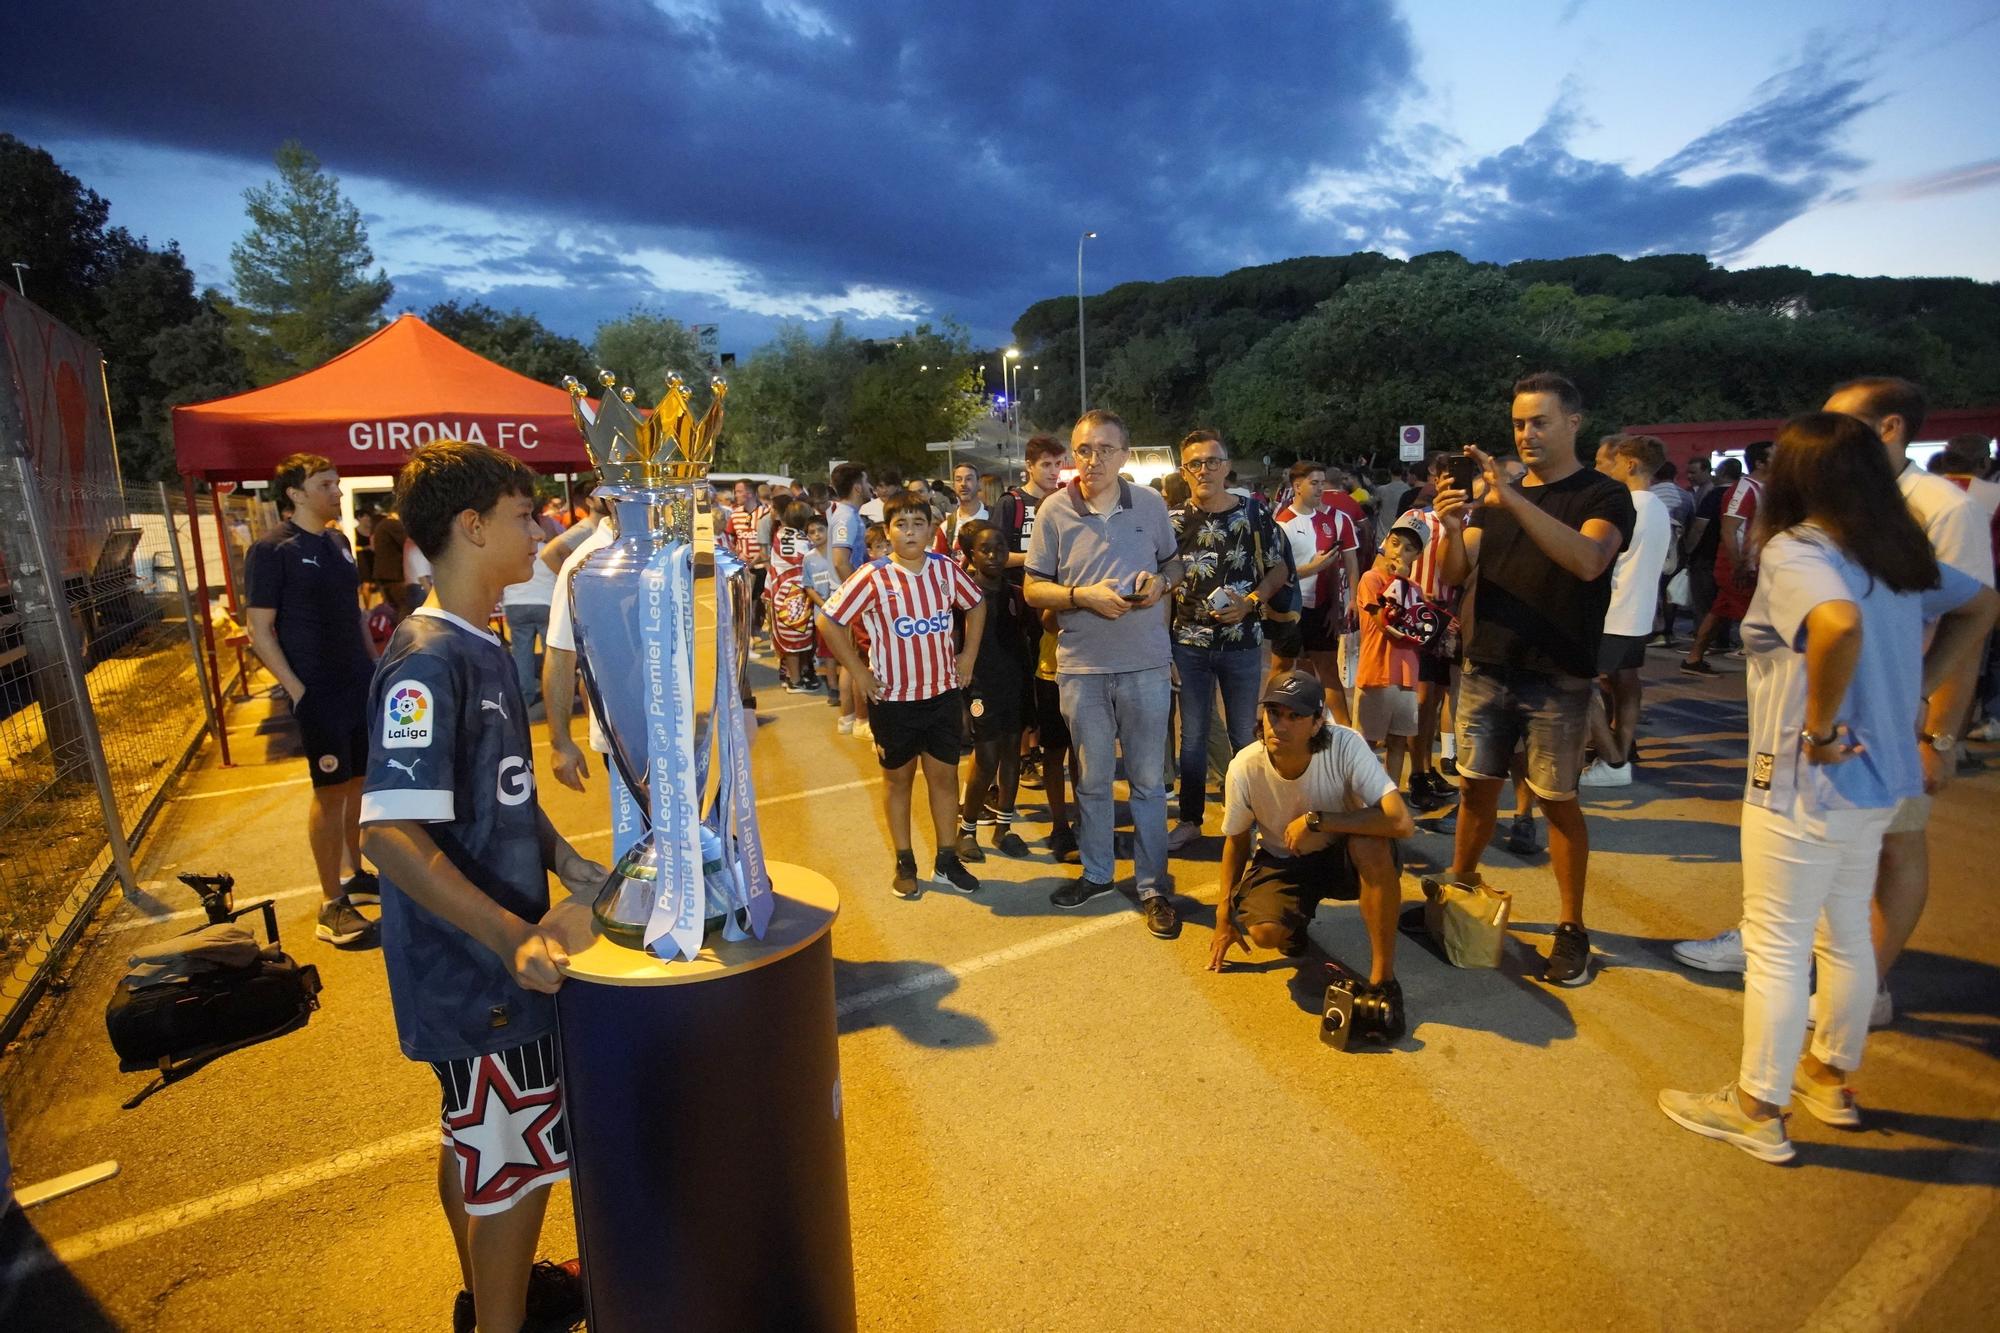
[658,500]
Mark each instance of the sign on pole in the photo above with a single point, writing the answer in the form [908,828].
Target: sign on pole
[1410,444]
[942,446]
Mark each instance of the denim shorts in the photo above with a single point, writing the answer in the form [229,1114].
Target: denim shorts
[1501,707]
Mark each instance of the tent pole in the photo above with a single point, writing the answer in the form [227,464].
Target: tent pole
[207,621]
[222,545]
[569,500]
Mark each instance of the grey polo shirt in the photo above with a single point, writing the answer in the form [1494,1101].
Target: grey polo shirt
[1073,546]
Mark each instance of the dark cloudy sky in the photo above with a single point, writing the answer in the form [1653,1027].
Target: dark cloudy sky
[750,161]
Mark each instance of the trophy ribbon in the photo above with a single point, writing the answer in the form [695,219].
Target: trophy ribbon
[628,824]
[667,629]
[742,842]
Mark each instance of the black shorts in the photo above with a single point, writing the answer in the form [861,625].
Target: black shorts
[1048,716]
[1285,637]
[1620,652]
[333,731]
[1286,890]
[1432,669]
[1320,626]
[997,711]
[933,726]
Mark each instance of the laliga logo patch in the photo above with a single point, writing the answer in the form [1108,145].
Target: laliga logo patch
[407,716]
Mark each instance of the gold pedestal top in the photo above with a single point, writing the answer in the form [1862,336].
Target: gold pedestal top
[806,906]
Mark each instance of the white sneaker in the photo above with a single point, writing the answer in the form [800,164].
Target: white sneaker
[846,724]
[1717,1115]
[1181,834]
[1989,730]
[1880,1015]
[1720,953]
[1601,774]
[863,730]
[1830,1105]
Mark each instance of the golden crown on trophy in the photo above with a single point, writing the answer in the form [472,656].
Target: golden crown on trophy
[630,448]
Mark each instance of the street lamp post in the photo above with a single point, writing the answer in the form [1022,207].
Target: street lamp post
[1082,382]
[18,284]
[1010,372]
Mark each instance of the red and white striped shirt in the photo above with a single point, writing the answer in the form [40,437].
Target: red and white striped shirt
[1428,571]
[1312,535]
[743,533]
[909,624]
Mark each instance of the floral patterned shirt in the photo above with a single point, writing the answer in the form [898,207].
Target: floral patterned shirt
[1234,550]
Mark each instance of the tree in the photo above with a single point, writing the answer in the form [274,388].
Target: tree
[641,348]
[514,339]
[302,287]
[193,362]
[917,388]
[54,226]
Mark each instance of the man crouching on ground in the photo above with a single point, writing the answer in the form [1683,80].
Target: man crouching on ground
[465,853]
[1327,817]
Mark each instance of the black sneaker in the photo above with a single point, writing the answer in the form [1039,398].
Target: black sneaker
[1448,765]
[1009,843]
[1161,918]
[362,889]
[1521,836]
[1569,957]
[555,1294]
[1420,798]
[1031,772]
[1062,847]
[340,924]
[951,873]
[813,682]
[798,687]
[1078,892]
[968,846]
[1698,668]
[905,884]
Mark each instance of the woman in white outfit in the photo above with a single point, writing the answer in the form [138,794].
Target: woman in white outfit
[1835,642]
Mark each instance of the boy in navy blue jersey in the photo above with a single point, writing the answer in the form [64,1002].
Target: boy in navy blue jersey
[464,852]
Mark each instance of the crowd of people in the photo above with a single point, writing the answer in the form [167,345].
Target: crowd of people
[1376,647]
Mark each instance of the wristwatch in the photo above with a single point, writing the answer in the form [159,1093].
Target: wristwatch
[1254,600]
[1943,742]
[1815,742]
[1312,821]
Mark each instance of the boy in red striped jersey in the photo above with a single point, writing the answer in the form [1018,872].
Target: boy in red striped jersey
[912,677]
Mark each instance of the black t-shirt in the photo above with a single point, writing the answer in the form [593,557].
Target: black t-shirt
[1710,508]
[1528,611]
[310,580]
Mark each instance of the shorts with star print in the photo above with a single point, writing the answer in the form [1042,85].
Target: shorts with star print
[503,1118]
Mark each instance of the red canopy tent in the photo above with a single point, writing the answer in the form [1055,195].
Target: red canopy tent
[367,410]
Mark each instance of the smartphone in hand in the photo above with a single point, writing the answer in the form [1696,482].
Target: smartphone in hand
[1464,471]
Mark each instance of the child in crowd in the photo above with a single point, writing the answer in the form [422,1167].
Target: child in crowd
[465,852]
[791,602]
[816,572]
[876,538]
[999,696]
[1055,745]
[912,676]
[1387,672]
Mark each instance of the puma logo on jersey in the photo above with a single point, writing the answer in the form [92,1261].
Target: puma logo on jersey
[408,770]
[495,705]
[309,560]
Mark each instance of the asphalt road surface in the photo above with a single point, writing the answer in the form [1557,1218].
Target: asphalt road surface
[1055,1121]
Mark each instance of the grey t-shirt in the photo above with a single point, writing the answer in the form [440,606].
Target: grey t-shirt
[1073,546]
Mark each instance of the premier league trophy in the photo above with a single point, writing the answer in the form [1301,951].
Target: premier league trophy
[666,694]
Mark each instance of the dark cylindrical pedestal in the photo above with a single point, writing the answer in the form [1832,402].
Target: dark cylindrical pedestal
[708,1165]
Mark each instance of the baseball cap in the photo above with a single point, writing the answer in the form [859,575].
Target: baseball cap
[1298,690]
[1409,529]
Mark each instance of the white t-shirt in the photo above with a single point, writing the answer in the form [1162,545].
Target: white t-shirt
[538,589]
[872,510]
[1958,531]
[561,633]
[1345,776]
[417,566]
[1635,578]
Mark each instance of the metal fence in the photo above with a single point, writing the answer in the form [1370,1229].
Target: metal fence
[103,699]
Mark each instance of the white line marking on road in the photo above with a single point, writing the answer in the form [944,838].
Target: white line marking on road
[1887,1283]
[762,802]
[189,913]
[936,977]
[237,791]
[160,1221]
[274,1186]
[790,707]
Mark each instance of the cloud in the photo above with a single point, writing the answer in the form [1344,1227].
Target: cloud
[1717,195]
[1957,180]
[841,149]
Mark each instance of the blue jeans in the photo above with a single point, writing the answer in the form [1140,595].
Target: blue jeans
[527,626]
[1122,710]
[1236,671]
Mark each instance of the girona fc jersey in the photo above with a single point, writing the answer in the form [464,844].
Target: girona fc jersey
[909,624]
[448,748]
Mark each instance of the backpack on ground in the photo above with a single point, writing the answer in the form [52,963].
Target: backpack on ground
[212,990]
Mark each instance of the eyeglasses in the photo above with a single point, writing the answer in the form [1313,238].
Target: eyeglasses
[1205,464]
[1085,453]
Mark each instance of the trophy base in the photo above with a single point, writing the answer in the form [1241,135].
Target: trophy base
[633,934]
[624,905]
